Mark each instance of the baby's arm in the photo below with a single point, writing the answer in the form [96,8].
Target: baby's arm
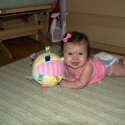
[85,77]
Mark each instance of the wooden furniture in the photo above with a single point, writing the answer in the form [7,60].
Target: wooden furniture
[39,26]
[102,20]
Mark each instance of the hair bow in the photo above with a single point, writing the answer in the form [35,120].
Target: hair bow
[67,37]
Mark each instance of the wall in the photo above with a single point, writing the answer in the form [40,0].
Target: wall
[102,21]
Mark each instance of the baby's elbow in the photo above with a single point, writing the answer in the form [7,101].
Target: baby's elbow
[81,85]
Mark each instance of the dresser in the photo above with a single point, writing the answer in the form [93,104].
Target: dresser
[102,20]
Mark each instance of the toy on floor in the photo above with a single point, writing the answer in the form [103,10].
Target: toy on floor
[47,69]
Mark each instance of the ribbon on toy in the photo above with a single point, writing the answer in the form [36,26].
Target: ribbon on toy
[47,48]
[43,87]
[30,78]
[40,77]
[31,63]
[33,56]
[47,58]
[57,78]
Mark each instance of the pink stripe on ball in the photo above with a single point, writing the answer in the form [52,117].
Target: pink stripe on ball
[51,68]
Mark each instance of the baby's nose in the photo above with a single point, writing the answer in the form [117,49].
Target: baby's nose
[75,57]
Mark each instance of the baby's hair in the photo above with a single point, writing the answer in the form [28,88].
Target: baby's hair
[76,37]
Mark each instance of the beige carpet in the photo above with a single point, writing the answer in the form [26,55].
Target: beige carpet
[23,103]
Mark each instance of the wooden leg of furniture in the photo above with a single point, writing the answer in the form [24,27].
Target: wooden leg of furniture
[4,50]
[36,21]
[1,24]
[42,36]
[44,20]
[46,24]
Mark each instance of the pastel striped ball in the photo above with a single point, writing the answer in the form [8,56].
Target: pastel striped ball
[49,69]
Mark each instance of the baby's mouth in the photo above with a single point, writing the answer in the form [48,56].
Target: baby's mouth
[75,63]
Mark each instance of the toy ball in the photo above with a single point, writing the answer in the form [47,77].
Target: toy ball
[48,69]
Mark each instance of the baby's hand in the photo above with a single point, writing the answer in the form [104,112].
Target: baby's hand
[68,78]
[63,84]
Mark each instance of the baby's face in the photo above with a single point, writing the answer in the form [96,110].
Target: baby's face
[75,55]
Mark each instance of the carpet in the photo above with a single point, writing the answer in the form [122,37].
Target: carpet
[22,102]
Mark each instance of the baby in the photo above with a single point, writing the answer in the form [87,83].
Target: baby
[83,69]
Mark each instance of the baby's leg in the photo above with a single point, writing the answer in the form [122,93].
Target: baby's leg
[120,57]
[123,62]
[118,69]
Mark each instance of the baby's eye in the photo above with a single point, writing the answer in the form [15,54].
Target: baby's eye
[70,54]
[80,54]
